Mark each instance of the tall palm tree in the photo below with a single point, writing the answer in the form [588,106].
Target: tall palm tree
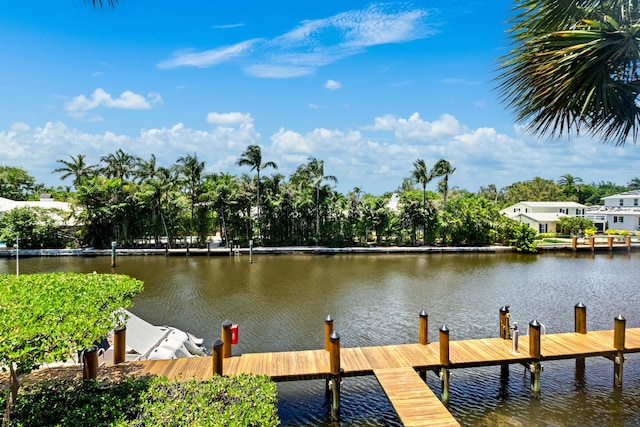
[422,176]
[191,170]
[443,169]
[569,183]
[76,167]
[100,3]
[315,171]
[252,157]
[573,68]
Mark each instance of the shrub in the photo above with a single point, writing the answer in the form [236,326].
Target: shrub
[243,400]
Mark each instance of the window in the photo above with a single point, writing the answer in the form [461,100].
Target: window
[621,202]
[564,211]
[542,228]
[619,219]
[635,202]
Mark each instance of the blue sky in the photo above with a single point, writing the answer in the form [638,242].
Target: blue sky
[367,87]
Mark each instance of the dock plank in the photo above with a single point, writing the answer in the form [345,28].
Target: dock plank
[413,401]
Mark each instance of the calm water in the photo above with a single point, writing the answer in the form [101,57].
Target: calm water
[280,303]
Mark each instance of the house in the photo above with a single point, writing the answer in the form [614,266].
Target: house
[543,216]
[46,202]
[620,212]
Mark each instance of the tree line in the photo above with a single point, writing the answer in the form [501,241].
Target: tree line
[135,201]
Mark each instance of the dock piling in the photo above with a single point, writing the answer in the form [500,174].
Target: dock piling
[90,363]
[619,326]
[580,314]
[334,367]
[328,330]
[504,322]
[444,362]
[217,356]
[423,335]
[534,352]
[119,345]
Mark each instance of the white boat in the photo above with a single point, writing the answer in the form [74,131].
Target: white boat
[145,341]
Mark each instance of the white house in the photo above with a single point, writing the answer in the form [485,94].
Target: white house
[543,216]
[620,212]
[45,202]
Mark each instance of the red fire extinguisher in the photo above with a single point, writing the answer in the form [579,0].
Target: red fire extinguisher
[234,333]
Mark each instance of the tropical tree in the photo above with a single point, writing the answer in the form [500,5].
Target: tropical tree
[77,168]
[422,176]
[634,184]
[570,184]
[443,169]
[252,157]
[190,169]
[573,68]
[314,170]
[118,164]
[15,183]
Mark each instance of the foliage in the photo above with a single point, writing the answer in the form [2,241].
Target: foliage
[470,220]
[613,232]
[573,224]
[15,183]
[149,401]
[537,189]
[591,231]
[573,68]
[35,228]
[46,317]
[524,239]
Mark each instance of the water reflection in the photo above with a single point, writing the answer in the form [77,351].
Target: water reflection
[280,303]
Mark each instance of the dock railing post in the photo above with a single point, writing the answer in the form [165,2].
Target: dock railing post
[535,353]
[574,243]
[627,242]
[335,371]
[226,338]
[592,243]
[610,242]
[90,363]
[580,314]
[444,363]
[618,343]
[328,330]
[217,356]
[504,322]
[423,334]
[119,345]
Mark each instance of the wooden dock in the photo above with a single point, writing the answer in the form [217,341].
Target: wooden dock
[397,367]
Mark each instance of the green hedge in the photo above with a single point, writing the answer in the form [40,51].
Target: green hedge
[243,400]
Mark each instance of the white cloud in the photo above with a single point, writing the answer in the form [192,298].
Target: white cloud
[375,158]
[129,100]
[314,43]
[332,84]
[229,119]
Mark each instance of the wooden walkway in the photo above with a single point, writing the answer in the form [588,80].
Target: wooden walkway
[412,398]
[394,366]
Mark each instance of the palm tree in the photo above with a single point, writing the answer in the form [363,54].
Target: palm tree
[422,176]
[573,68]
[569,183]
[191,169]
[634,184]
[118,164]
[76,167]
[314,169]
[443,168]
[252,157]
[100,3]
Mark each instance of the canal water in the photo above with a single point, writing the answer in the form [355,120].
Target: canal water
[280,303]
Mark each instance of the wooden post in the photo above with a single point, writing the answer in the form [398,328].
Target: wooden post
[113,253]
[90,363]
[444,363]
[217,356]
[504,322]
[208,247]
[328,330]
[610,242]
[334,367]
[618,343]
[627,242]
[226,338]
[592,242]
[187,242]
[119,345]
[423,334]
[574,242]
[580,314]
[166,249]
[534,352]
